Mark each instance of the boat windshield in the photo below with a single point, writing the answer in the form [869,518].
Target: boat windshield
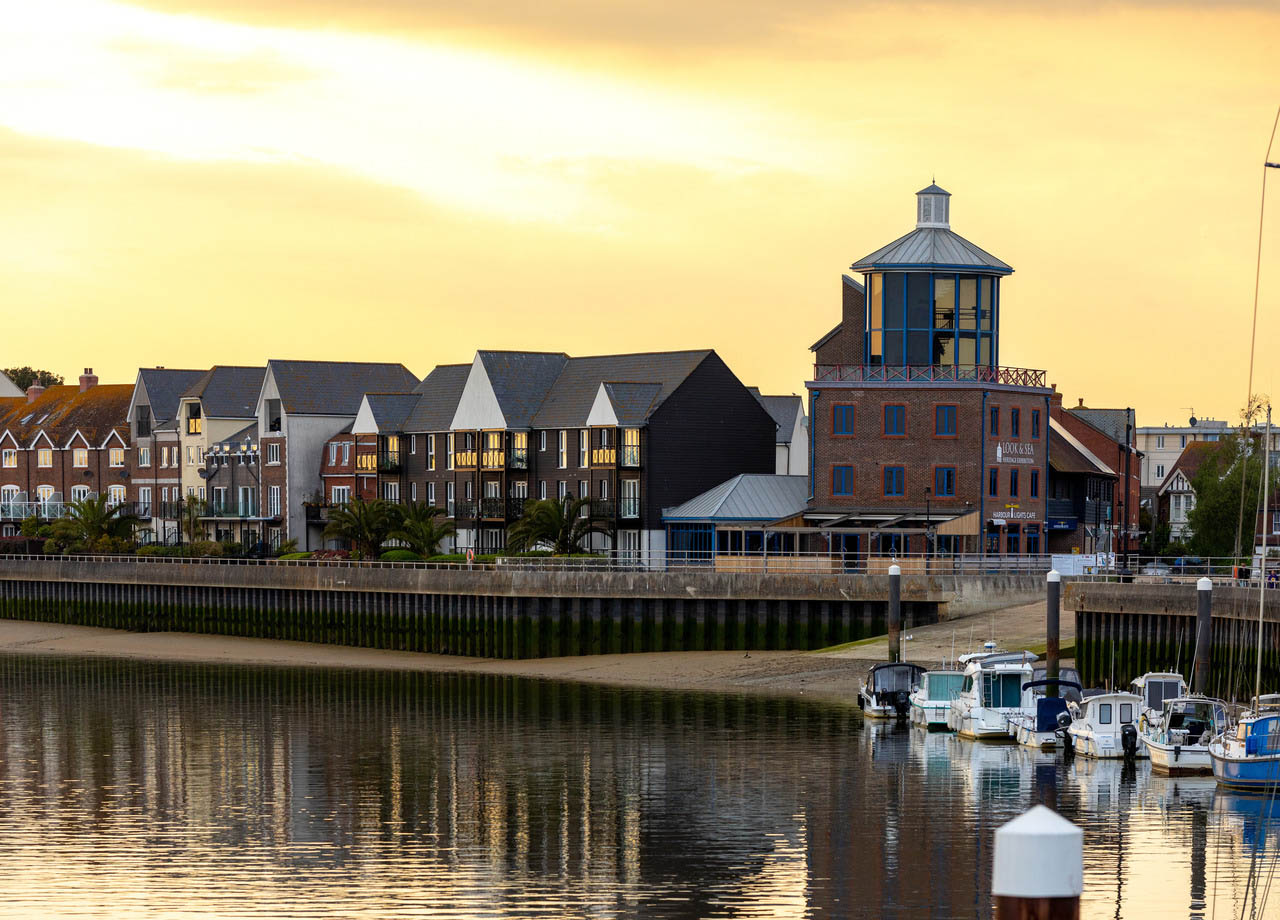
[1193,714]
[1157,691]
[944,686]
[902,677]
[1002,690]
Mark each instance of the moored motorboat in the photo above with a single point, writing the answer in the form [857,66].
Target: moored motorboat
[886,693]
[931,699]
[1044,717]
[990,693]
[1105,726]
[1177,740]
[1155,687]
[1249,756]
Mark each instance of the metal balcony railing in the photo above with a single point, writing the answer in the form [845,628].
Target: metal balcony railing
[603,509]
[231,510]
[493,459]
[629,455]
[928,373]
[464,459]
[465,510]
[389,461]
[493,508]
[629,508]
[518,459]
[603,456]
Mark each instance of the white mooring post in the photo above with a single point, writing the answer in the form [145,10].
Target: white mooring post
[1038,867]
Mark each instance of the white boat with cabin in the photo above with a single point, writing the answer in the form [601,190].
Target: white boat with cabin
[1105,726]
[1044,718]
[931,699]
[1177,740]
[1155,687]
[990,693]
[886,693]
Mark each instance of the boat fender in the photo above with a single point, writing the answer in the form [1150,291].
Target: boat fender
[1206,738]
[1177,752]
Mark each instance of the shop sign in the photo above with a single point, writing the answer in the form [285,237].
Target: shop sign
[1015,452]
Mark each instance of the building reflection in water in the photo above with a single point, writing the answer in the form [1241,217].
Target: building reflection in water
[152,790]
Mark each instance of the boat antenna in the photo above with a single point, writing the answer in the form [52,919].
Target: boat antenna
[1262,562]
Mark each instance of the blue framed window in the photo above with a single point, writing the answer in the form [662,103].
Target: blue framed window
[944,421]
[1033,539]
[842,480]
[895,481]
[944,481]
[895,421]
[1015,422]
[1035,484]
[993,428]
[993,482]
[842,420]
[1035,423]
[1013,483]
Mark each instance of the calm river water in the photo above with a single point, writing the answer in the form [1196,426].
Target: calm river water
[159,790]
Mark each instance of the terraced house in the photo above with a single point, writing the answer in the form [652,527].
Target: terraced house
[630,432]
[155,460]
[62,444]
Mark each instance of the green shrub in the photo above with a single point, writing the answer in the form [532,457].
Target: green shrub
[449,557]
[232,548]
[157,549]
[289,557]
[400,555]
[205,548]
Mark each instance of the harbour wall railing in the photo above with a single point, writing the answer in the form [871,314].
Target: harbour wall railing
[491,612]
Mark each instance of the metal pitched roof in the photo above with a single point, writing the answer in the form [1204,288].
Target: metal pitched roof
[568,403]
[391,410]
[165,387]
[933,189]
[437,398]
[521,381]
[335,387]
[1069,455]
[746,497]
[932,247]
[227,391]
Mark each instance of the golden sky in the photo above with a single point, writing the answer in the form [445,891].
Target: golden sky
[190,182]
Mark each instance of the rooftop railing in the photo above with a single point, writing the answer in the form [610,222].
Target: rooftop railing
[928,373]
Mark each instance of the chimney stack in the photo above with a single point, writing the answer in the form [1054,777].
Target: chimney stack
[1080,405]
[1055,399]
[33,392]
[87,379]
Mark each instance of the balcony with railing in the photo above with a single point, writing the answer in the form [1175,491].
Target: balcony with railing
[493,509]
[465,510]
[493,459]
[929,374]
[604,509]
[604,456]
[464,459]
[389,461]
[21,510]
[629,507]
[518,458]
[629,455]
[245,509]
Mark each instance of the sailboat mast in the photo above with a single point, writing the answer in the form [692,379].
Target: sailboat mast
[1262,563]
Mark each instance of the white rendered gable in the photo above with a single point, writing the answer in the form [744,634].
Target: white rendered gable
[478,407]
[602,410]
[365,423]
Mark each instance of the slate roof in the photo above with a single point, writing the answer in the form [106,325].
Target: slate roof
[392,410]
[521,381]
[1110,422]
[228,391]
[60,411]
[633,403]
[784,410]
[569,401]
[932,247]
[334,387]
[1069,455]
[438,396]
[761,497]
[1189,462]
[165,387]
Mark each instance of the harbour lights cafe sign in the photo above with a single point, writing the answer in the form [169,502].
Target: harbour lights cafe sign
[1015,452]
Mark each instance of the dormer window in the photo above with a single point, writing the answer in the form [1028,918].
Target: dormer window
[273,415]
[195,423]
[143,420]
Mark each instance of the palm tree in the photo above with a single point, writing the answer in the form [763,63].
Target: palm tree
[559,524]
[365,525]
[94,518]
[192,510]
[422,528]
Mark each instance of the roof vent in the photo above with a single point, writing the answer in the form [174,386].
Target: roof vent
[933,208]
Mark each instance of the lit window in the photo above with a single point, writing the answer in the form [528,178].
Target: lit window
[10,458]
[562,450]
[144,456]
[584,448]
[115,456]
[431,452]
[80,457]
[44,457]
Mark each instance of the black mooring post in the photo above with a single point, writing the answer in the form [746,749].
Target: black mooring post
[895,613]
[1052,629]
[1204,626]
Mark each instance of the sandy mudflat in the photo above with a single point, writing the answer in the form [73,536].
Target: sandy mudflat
[828,674]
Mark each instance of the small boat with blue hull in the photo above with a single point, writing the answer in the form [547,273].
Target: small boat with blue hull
[931,699]
[886,693]
[1044,718]
[1177,739]
[1249,757]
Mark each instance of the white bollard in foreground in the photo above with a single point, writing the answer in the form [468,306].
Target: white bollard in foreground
[1038,867]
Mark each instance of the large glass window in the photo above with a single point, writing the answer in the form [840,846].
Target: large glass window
[967,305]
[944,302]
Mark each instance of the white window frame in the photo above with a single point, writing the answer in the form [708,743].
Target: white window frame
[80,457]
[144,456]
[542,440]
[449,445]
[449,500]
[431,494]
[44,454]
[413,487]
[340,495]
[431,452]
[542,490]
[273,501]
[562,490]
[116,495]
[584,448]
[10,458]
[115,457]
[562,450]
[79,493]
[413,443]
[273,455]
[333,453]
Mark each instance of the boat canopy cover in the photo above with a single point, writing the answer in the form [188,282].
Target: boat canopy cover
[1068,683]
[1048,709]
[895,676]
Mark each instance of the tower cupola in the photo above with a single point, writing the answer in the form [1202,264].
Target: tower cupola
[933,208]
